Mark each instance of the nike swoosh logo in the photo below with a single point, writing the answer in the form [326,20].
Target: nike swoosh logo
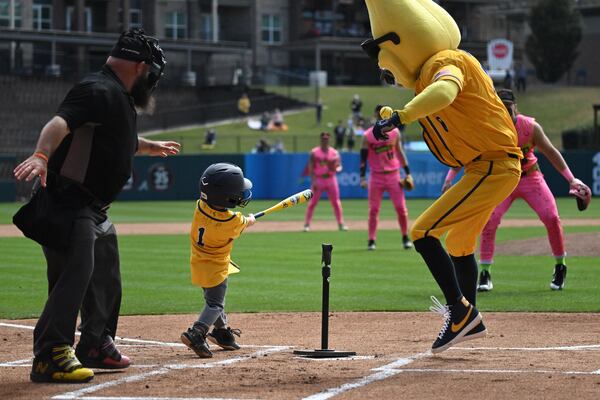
[457,327]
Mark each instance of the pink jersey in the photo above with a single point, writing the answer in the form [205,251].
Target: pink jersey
[324,162]
[524,128]
[383,155]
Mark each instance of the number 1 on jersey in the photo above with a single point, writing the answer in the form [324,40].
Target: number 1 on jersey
[200,235]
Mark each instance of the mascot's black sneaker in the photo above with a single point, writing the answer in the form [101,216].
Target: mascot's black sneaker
[105,356]
[478,332]
[223,337]
[60,367]
[559,276]
[460,319]
[195,339]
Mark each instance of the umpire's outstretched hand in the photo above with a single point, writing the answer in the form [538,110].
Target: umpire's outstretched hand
[32,167]
[157,147]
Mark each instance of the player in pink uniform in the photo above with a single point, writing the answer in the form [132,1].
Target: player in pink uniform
[385,157]
[534,190]
[323,166]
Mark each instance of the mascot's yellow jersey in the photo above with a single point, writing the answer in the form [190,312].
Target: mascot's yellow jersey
[211,236]
[476,122]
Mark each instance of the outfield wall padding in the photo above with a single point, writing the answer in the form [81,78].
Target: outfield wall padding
[276,176]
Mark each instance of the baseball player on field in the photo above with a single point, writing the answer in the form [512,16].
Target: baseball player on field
[323,165]
[213,231]
[534,190]
[385,157]
[464,125]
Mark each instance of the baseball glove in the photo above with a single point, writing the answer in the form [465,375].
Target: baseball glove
[407,183]
[582,194]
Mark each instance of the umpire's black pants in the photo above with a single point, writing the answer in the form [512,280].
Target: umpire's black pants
[86,276]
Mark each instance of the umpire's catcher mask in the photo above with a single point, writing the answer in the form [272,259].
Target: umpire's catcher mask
[134,45]
[223,185]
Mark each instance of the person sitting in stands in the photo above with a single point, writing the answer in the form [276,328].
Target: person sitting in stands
[210,139]
[277,118]
[264,121]
[262,146]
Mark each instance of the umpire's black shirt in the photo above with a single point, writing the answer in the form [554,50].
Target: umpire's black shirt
[98,152]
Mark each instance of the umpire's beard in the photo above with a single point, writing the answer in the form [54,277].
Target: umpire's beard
[142,96]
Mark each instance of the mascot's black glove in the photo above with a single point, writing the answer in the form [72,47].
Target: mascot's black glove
[382,126]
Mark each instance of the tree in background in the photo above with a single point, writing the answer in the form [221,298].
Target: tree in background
[555,35]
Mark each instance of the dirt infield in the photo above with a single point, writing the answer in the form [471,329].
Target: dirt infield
[525,356]
[580,244]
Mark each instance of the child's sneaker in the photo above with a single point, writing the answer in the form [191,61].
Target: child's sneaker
[61,367]
[224,338]
[195,339]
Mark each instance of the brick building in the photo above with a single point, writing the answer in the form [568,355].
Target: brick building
[222,41]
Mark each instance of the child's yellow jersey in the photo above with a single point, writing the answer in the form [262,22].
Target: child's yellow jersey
[211,236]
[476,122]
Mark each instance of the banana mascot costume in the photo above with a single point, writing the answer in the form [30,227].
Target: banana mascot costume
[465,125]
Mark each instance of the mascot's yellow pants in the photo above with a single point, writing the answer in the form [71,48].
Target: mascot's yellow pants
[464,209]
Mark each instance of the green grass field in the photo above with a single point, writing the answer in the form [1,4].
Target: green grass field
[355,209]
[281,271]
[556,107]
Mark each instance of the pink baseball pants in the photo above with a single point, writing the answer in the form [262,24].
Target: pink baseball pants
[378,184]
[535,191]
[329,186]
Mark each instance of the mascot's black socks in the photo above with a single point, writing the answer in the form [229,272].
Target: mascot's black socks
[441,267]
[466,274]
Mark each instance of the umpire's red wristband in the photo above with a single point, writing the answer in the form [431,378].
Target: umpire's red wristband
[41,155]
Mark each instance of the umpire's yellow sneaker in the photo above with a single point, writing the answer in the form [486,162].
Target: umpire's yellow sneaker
[61,367]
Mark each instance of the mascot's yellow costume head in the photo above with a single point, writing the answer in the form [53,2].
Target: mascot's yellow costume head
[406,33]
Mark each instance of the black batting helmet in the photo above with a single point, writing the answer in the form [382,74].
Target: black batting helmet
[224,185]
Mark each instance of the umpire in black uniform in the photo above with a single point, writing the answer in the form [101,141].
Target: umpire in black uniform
[83,158]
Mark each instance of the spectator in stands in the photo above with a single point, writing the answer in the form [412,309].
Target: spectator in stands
[508,80]
[244,105]
[350,126]
[277,118]
[262,146]
[351,138]
[84,157]
[278,147]
[340,134]
[210,139]
[360,127]
[319,110]
[264,121]
[356,106]
[521,78]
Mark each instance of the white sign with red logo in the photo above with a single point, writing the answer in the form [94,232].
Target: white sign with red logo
[500,54]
